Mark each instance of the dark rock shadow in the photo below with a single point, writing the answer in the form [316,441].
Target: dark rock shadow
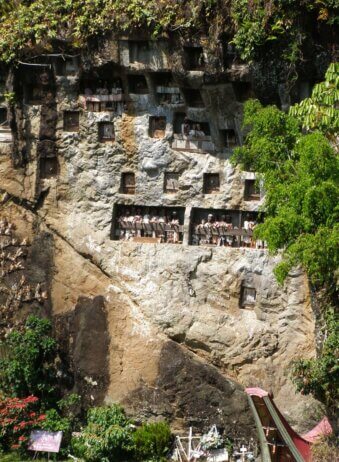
[84,342]
[189,392]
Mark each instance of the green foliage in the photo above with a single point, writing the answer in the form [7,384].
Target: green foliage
[152,442]
[264,23]
[30,367]
[270,140]
[320,111]
[106,437]
[301,179]
[33,25]
[321,376]
[109,436]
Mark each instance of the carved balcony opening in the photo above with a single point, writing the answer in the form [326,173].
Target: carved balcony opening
[225,228]
[190,135]
[102,89]
[167,92]
[146,224]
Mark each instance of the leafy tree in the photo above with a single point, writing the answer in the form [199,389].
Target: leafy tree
[301,180]
[300,173]
[29,368]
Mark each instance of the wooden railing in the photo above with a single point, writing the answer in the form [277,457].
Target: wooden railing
[158,227]
[193,144]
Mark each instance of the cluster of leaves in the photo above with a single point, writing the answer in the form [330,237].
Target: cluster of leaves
[34,25]
[18,417]
[29,368]
[321,378]
[110,436]
[265,22]
[320,111]
[28,25]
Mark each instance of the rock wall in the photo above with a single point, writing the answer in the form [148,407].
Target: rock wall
[157,327]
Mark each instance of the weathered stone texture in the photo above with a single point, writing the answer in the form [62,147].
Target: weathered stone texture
[173,340]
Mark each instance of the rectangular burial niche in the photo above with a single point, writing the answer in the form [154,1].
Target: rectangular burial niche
[248,296]
[193,97]
[157,127]
[137,84]
[48,167]
[148,224]
[127,185]
[139,51]
[3,116]
[193,58]
[171,182]
[71,121]
[106,131]
[229,138]
[211,183]
[215,227]
[251,190]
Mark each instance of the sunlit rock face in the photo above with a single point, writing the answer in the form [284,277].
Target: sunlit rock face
[172,331]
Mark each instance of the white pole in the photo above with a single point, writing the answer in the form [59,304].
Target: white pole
[190,444]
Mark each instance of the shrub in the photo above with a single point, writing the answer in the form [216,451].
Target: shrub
[152,441]
[106,437]
[30,367]
[18,417]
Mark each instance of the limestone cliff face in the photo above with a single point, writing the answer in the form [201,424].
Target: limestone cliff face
[157,327]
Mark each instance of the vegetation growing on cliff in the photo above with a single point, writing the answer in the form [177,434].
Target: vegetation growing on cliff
[300,171]
[31,26]
[107,434]
[29,366]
